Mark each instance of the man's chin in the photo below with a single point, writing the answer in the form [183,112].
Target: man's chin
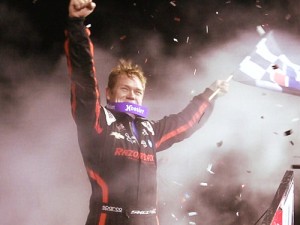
[132,102]
[126,101]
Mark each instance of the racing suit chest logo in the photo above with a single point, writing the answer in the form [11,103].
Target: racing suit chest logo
[134,154]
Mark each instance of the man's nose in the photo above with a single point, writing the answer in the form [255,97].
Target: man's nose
[131,95]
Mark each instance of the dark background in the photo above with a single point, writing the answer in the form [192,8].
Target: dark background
[122,24]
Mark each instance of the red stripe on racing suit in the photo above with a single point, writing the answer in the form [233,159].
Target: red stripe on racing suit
[84,86]
[195,119]
[104,188]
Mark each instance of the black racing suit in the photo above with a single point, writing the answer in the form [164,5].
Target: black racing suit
[121,166]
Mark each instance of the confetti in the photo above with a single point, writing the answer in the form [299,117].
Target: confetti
[203,184]
[219,144]
[173,215]
[123,37]
[173,3]
[192,213]
[206,29]
[175,39]
[177,19]
[288,16]
[195,72]
[187,40]
[260,30]
[209,167]
[288,132]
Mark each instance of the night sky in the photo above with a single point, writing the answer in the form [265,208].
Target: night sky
[36,27]
[227,173]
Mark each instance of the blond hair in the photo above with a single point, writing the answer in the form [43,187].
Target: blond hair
[126,67]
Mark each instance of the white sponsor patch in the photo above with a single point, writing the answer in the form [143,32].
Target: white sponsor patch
[143,212]
[149,127]
[117,135]
[111,209]
[110,118]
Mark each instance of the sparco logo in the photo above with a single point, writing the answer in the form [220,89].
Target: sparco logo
[130,108]
[111,209]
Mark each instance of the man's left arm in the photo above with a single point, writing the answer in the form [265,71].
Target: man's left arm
[177,127]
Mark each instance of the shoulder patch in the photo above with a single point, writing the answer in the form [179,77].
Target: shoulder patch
[110,118]
[148,126]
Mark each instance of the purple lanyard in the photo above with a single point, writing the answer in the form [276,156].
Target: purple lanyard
[128,107]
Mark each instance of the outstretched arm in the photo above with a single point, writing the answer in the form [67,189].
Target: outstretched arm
[176,127]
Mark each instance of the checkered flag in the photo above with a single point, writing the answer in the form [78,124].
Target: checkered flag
[268,68]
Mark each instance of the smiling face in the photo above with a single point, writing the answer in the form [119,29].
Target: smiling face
[126,89]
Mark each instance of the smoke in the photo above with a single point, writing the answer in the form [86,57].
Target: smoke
[230,169]
[226,173]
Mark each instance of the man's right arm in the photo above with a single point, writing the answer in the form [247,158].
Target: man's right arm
[85,97]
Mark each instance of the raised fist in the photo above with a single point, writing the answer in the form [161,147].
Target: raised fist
[81,8]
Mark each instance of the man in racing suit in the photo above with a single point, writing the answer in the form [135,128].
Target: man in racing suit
[118,148]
